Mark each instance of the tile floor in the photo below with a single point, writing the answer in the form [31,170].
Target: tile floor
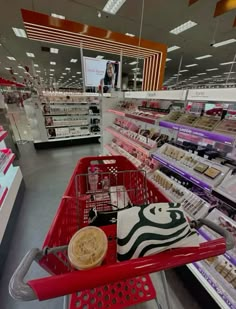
[46,174]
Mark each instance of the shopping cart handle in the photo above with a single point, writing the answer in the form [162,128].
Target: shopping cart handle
[18,289]
[229,240]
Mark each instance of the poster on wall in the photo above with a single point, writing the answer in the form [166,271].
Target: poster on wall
[101,73]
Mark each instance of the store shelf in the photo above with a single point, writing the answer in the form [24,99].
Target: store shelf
[214,136]
[111,150]
[182,173]
[67,126]
[211,286]
[3,134]
[128,141]
[3,195]
[71,137]
[12,180]
[132,116]
[5,166]
[65,114]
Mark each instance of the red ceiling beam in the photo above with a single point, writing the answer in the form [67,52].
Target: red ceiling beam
[224,6]
[192,2]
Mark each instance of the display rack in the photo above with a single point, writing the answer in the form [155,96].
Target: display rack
[119,118]
[61,117]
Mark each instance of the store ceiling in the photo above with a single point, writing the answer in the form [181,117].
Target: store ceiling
[160,16]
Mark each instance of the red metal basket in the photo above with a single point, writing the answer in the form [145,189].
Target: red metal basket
[113,285]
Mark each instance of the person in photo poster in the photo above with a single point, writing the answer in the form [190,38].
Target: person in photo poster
[110,79]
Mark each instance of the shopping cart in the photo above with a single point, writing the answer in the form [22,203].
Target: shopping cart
[112,285]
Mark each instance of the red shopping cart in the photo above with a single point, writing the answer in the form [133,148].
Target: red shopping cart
[112,285]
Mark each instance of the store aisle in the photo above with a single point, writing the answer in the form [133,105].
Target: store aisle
[46,175]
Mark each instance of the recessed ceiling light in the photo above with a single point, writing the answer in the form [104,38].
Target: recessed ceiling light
[73,60]
[38,71]
[64,73]
[53,63]
[78,72]
[214,69]
[201,73]
[15,73]
[51,74]
[58,16]
[36,65]
[135,69]
[172,48]
[184,71]
[113,6]
[229,72]
[21,76]
[73,76]
[176,75]
[130,34]
[19,32]
[68,69]
[11,58]
[52,70]
[191,65]
[194,77]
[133,63]
[224,42]
[99,57]
[30,55]
[7,69]
[54,50]
[203,57]
[225,63]
[168,59]
[189,24]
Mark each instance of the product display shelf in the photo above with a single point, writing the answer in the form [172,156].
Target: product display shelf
[214,136]
[3,192]
[67,125]
[128,141]
[63,138]
[7,163]
[3,134]
[111,151]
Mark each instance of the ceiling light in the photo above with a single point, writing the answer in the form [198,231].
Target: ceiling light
[36,65]
[184,71]
[194,77]
[203,57]
[15,73]
[191,65]
[78,72]
[216,76]
[58,16]
[20,67]
[189,24]
[170,49]
[130,34]
[53,63]
[73,60]
[63,73]
[225,63]
[73,76]
[52,70]
[224,42]
[99,57]
[19,32]
[201,73]
[30,55]
[11,58]
[168,59]
[214,69]
[54,50]
[135,69]
[113,6]
[51,74]
[38,71]
[229,72]
[133,63]
[68,69]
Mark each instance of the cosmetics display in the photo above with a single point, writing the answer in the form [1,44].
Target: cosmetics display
[187,119]
[226,126]
[173,116]
[207,123]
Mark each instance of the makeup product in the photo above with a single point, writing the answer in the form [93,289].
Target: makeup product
[212,172]
[201,167]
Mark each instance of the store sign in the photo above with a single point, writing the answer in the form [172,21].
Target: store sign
[101,72]
[223,95]
[217,137]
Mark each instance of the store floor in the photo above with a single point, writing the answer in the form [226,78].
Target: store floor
[46,174]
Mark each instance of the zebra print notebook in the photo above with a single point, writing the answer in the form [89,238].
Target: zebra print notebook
[147,230]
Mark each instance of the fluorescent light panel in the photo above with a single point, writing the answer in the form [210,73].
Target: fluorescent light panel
[183,71]
[168,59]
[113,6]
[78,72]
[99,57]
[201,73]
[133,63]
[58,16]
[172,48]
[19,32]
[54,50]
[31,55]
[52,70]
[203,57]
[68,69]
[130,34]
[189,24]
[53,63]
[225,63]
[36,65]
[229,72]
[230,41]
[213,69]
[11,58]
[73,60]
[191,65]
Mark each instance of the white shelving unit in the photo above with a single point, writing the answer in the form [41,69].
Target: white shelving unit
[115,141]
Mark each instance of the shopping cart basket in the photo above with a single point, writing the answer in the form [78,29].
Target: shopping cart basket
[112,285]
